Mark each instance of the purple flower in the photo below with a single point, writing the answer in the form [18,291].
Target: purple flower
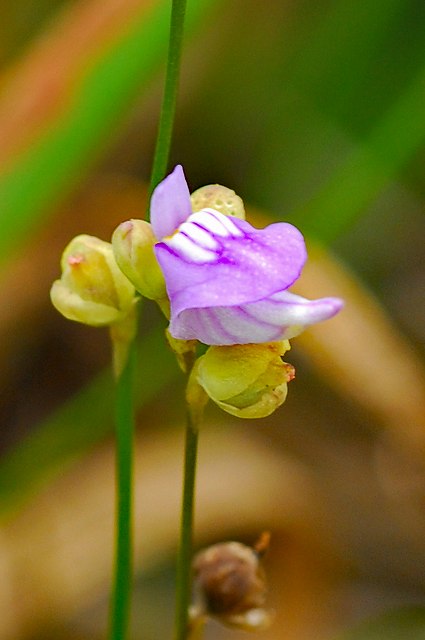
[227,281]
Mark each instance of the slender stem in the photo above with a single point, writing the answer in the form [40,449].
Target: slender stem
[159,168]
[121,596]
[185,550]
[166,119]
[123,570]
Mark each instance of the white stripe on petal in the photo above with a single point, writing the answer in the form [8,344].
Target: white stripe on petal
[198,235]
[227,222]
[189,250]
[216,223]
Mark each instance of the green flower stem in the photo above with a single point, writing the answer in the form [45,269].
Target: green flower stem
[184,557]
[166,119]
[123,570]
[159,168]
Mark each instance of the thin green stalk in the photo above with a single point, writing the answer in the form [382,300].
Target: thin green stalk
[120,606]
[159,168]
[184,557]
[123,570]
[168,108]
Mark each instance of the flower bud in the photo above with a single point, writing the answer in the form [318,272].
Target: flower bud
[215,196]
[230,585]
[246,380]
[92,289]
[133,243]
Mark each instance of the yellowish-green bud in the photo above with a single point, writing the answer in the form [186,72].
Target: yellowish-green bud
[133,242]
[92,289]
[246,380]
[215,196]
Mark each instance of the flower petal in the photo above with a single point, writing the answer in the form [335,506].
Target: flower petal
[170,204]
[71,305]
[281,316]
[219,261]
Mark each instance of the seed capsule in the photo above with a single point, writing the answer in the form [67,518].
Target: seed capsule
[230,585]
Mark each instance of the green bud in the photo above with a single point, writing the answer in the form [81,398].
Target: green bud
[92,289]
[133,242]
[215,196]
[246,380]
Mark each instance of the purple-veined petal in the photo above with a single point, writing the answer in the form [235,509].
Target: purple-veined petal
[279,317]
[170,204]
[219,261]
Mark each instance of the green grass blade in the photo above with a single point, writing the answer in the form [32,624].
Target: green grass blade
[45,171]
[370,168]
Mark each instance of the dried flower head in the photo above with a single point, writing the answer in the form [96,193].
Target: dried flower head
[230,586]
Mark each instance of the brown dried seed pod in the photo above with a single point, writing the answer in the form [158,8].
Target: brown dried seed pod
[229,579]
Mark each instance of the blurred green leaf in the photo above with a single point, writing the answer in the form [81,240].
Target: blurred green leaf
[362,86]
[45,171]
[404,624]
[337,107]
[376,162]
[345,60]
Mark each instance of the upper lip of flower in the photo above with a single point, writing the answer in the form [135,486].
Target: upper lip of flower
[217,268]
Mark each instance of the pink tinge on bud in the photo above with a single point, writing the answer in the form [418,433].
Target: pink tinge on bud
[75,259]
[126,228]
[91,288]
[127,225]
[290,371]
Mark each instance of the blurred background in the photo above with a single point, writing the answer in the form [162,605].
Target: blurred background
[314,113]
